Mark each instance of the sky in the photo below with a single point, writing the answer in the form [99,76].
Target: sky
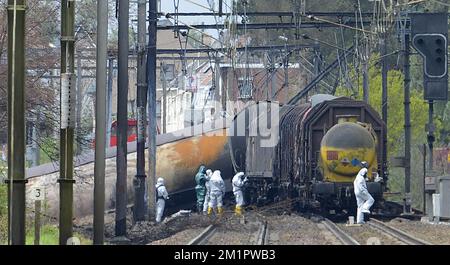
[188,6]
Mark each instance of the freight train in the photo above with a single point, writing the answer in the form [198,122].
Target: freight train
[314,159]
[320,146]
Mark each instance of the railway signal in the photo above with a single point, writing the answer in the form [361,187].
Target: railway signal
[433,48]
[429,38]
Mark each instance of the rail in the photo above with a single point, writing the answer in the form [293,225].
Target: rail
[396,233]
[345,238]
[203,236]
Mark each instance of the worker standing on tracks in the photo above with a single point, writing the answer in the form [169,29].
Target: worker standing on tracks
[217,192]
[200,189]
[238,184]
[208,191]
[363,198]
[161,197]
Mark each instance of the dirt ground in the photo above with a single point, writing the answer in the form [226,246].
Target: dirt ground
[145,232]
[367,235]
[297,230]
[434,233]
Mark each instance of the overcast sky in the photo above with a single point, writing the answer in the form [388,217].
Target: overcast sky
[188,6]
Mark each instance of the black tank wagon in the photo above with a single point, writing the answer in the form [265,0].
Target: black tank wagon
[318,153]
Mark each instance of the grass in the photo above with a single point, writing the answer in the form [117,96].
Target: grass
[50,236]
[49,233]
[3,215]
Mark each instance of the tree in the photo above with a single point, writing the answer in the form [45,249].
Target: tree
[395,126]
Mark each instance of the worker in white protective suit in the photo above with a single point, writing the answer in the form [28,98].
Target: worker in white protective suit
[238,182]
[217,192]
[208,190]
[363,198]
[161,197]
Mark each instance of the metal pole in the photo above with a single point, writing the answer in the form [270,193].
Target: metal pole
[109,100]
[37,222]
[224,89]
[100,121]
[164,105]
[79,102]
[316,61]
[273,76]
[122,121]
[430,136]
[286,78]
[139,181]
[68,104]
[424,176]
[151,83]
[407,80]
[217,80]
[365,70]
[16,122]
[384,102]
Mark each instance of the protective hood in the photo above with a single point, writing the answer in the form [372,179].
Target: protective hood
[159,182]
[238,175]
[202,169]
[208,174]
[216,176]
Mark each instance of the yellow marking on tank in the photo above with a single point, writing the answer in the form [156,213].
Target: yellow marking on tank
[336,171]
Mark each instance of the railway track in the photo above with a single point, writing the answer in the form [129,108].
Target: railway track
[396,233]
[340,234]
[212,231]
[203,237]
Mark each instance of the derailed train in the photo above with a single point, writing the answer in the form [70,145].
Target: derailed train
[317,156]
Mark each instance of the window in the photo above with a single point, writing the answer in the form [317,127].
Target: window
[170,72]
[245,86]
[158,108]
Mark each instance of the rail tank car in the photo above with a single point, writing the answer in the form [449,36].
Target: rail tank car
[318,153]
[178,157]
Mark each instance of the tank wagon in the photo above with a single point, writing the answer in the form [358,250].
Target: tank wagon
[317,156]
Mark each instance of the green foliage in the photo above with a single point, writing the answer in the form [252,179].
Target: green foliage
[3,214]
[395,126]
[49,233]
[50,236]
[419,107]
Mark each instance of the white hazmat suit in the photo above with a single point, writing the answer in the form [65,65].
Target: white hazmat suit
[208,190]
[238,184]
[217,192]
[363,198]
[161,197]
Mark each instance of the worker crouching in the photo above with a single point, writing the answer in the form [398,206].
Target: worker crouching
[238,184]
[217,192]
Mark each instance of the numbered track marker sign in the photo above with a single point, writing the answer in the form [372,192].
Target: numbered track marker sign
[38,193]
